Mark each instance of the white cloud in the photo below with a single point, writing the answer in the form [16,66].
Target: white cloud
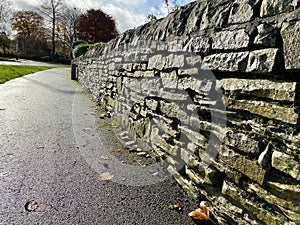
[128,14]
[134,3]
[125,19]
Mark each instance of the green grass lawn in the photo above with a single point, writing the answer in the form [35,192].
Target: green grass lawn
[8,72]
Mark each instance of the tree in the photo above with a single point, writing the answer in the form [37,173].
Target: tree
[4,42]
[52,10]
[67,25]
[30,30]
[5,13]
[96,26]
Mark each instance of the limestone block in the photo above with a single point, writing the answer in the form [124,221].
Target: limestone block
[230,40]
[190,159]
[243,165]
[231,62]
[288,190]
[289,208]
[156,62]
[263,61]
[175,96]
[275,90]
[241,12]
[265,109]
[286,164]
[174,61]
[198,85]
[193,136]
[267,36]
[242,142]
[291,42]
[169,80]
[128,67]
[173,110]
[216,14]
[194,176]
[262,214]
[186,184]
[151,104]
[165,127]
[199,44]
[194,20]
[140,66]
[170,149]
[273,7]
[150,86]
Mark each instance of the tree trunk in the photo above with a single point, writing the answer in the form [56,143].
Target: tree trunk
[53,33]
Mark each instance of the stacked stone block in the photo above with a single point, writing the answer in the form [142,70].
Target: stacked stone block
[213,91]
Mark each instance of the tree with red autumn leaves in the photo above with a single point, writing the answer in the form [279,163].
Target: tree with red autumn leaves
[96,26]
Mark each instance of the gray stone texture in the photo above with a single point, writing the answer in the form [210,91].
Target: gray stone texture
[273,7]
[230,40]
[268,36]
[231,62]
[212,90]
[263,61]
[291,43]
[241,12]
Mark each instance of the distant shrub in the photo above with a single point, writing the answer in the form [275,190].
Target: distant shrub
[80,50]
[79,42]
[92,46]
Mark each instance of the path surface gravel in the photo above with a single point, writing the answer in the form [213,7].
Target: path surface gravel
[44,158]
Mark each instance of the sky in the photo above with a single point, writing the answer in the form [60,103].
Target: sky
[127,13]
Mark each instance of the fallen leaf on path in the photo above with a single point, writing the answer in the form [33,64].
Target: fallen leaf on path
[201,213]
[125,138]
[74,146]
[53,150]
[177,207]
[105,114]
[129,143]
[142,154]
[105,176]
[31,206]
[118,150]
[105,157]
[40,147]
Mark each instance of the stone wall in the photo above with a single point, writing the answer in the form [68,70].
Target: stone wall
[213,91]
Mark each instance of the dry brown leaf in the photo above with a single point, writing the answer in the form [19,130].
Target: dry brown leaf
[178,207]
[40,147]
[142,154]
[74,146]
[129,143]
[105,157]
[125,138]
[105,176]
[118,150]
[200,214]
[175,207]
[31,206]
[105,114]
[53,150]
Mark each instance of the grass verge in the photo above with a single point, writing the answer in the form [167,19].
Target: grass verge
[9,72]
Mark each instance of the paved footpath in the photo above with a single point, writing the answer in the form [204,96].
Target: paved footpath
[42,158]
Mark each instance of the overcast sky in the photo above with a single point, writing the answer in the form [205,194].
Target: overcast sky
[128,13]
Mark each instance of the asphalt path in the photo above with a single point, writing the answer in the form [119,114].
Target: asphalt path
[27,62]
[46,137]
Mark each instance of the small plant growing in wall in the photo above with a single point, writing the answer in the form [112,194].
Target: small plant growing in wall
[79,42]
[80,49]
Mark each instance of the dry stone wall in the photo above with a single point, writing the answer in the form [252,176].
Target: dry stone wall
[213,90]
